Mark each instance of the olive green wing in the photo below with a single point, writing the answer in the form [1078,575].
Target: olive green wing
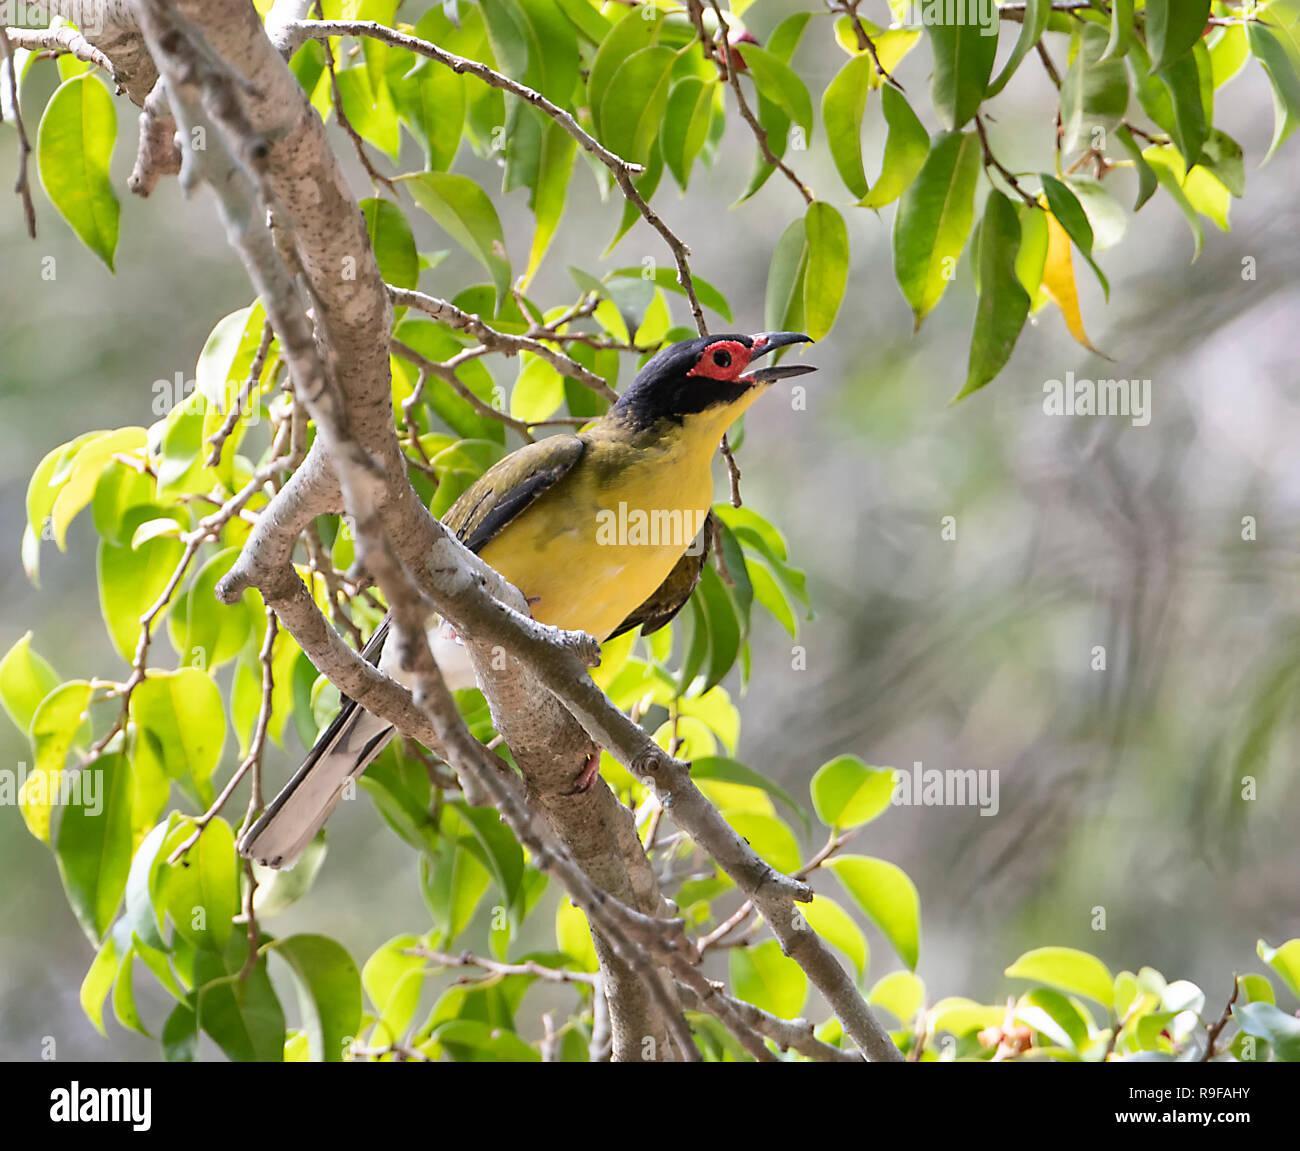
[671,595]
[509,487]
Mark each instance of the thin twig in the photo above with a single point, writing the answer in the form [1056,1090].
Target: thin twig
[252,762]
[760,133]
[507,343]
[218,438]
[22,185]
[991,161]
[377,178]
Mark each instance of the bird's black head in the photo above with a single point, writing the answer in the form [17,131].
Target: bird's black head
[707,374]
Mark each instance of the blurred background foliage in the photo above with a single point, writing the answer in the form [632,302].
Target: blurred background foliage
[1119,789]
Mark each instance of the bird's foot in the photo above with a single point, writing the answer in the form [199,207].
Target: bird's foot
[588,775]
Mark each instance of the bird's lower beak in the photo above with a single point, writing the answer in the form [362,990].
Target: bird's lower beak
[766,342]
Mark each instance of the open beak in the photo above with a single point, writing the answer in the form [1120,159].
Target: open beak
[766,342]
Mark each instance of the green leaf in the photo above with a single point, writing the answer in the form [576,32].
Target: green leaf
[1169,170]
[1256,988]
[329,993]
[433,104]
[140,913]
[1173,28]
[213,633]
[901,993]
[58,723]
[1094,93]
[200,891]
[843,104]
[1228,54]
[538,392]
[93,848]
[1106,217]
[1148,181]
[1222,157]
[687,120]
[97,983]
[84,470]
[436,343]
[464,211]
[836,926]
[573,936]
[1055,1016]
[124,1008]
[769,980]
[180,727]
[474,1041]
[783,302]
[1285,960]
[906,147]
[1265,1021]
[1187,86]
[963,63]
[74,148]
[888,896]
[495,846]
[1121,29]
[632,110]
[828,267]
[934,220]
[130,581]
[239,1010]
[1268,50]
[666,278]
[369,108]
[1003,301]
[959,1016]
[780,84]
[847,793]
[769,837]
[1069,213]
[646,185]
[554,166]
[631,34]
[1031,259]
[26,678]
[732,771]
[1036,15]
[390,236]
[725,636]
[1066,969]
[392,981]
[453,884]
[180,1036]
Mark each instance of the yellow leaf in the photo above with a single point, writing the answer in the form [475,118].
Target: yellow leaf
[1058,280]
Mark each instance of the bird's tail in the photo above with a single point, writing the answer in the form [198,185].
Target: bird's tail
[344,750]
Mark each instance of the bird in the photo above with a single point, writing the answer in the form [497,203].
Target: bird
[596,529]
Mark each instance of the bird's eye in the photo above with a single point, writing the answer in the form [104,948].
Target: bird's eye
[722,358]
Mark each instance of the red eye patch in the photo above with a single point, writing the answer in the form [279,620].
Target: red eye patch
[724,360]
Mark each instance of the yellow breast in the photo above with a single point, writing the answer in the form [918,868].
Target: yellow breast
[601,541]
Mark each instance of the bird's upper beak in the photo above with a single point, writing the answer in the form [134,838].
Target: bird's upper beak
[766,342]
